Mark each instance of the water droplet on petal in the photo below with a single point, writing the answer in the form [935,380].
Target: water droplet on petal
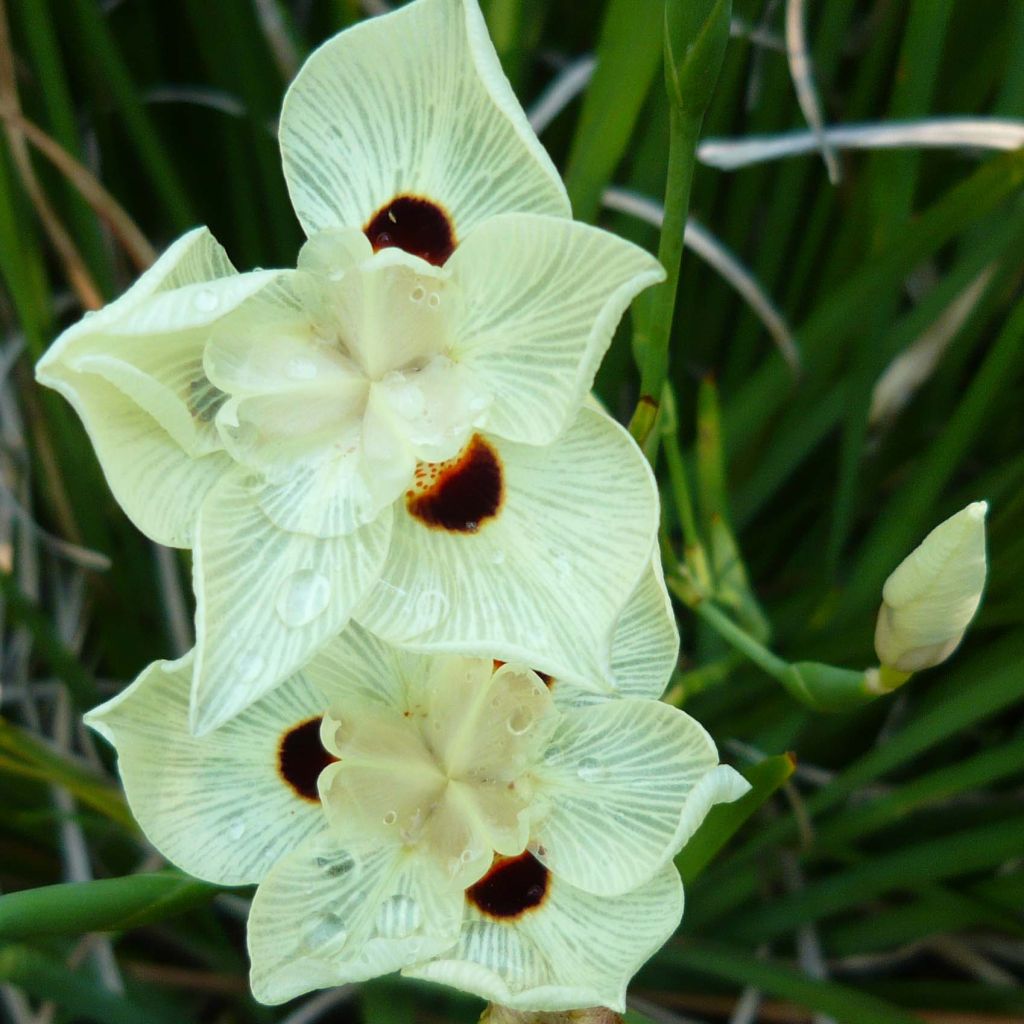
[434,301]
[303,596]
[398,917]
[498,556]
[390,818]
[206,300]
[249,666]
[418,293]
[563,567]
[299,368]
[519,721]
[431,607]
[590,770]
[321,929]
[236,829]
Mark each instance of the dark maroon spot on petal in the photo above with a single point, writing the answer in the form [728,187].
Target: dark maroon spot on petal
[461,494]
[301,758]
[415,224]
[513,886]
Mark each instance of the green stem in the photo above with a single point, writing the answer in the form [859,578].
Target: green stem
[735,635]
[684,130]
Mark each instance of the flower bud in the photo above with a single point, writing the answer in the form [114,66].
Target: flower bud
[696,33]
[928,602]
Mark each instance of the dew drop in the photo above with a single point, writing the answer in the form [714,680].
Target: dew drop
[299,368]
[303,596]
[321,929]
[249,666]
[498,556]
[410,401]
[431,608]
[206,300]
[519,721]
[418,293]
[590,770]
[336,866]
[390,818]
[434,301]
[398,917]
[236,829]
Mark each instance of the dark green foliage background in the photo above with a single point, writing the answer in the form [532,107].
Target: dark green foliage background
[903,831]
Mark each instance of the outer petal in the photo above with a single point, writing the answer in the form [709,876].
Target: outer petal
[413,102]
[356,667]
[618,778]
[133,371]
[217,807]
[541,299]
[645,647]
[542,583]
[267,599]
[575,949]
[336,912]
[158,485]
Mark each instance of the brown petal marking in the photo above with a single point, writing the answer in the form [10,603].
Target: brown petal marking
[513,886]
[459,495]
[301,758]
[413,223]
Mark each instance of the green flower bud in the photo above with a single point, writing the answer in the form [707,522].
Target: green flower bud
[696,32]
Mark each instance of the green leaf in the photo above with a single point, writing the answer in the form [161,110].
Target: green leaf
[627,57]
[846,1004]
[110,904]
[958,853]
[76,991]
[23,755]
[725,820]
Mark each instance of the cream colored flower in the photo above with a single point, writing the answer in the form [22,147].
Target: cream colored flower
[395,431]
[931,597]
[464,820]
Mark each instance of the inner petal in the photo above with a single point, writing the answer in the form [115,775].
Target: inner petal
[449,770]
[416,224]
[392,312]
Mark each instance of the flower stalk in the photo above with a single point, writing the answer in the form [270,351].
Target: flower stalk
[495,1014]
[695,38]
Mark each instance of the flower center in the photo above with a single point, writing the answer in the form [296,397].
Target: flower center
[413,223]
[449,771]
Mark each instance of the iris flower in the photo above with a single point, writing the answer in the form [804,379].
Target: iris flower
[397,431]
[464,820]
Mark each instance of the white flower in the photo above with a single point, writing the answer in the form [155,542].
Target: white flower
[463,820]
[396,430]
[930,599]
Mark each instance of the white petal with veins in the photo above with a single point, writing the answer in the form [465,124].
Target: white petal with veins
[215,806]
[383,109]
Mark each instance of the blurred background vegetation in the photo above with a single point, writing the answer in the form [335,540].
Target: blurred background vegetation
[882,880]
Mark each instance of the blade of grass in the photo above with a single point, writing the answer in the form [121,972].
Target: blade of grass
[736,965]
[628,56]
[107,904]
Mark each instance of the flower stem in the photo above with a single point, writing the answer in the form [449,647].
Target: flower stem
[653,337]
